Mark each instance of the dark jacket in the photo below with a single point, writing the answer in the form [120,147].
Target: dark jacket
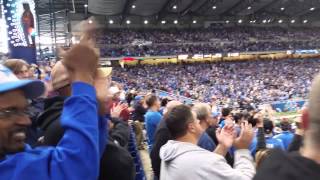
[116,162]
[296,143]
[33,132]
[139,112]
[287,166]
[162,136]
[212,133]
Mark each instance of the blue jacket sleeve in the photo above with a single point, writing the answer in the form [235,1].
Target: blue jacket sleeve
[77,154]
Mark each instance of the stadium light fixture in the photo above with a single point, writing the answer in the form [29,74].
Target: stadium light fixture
[174,7]
[163,22]
[86,5]
[194,21]
[264,21]
[111,21]
[128,22]
[293,21]
[282,9]
[249,7]
[240,21]
[227,21]
[133,6]
[214,7]
[175,21]
[146,22]
[269,20]
[305,21]
[280,21]
[312,9]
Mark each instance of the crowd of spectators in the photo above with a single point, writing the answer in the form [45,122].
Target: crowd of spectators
[68,120]
[128,42]
[260,81]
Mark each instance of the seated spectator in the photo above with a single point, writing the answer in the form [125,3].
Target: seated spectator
[152,117]
[83,129]
[286,136]
[183,159]
[306,164]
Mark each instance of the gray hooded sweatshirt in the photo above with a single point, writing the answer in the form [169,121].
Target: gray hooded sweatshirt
[187,161]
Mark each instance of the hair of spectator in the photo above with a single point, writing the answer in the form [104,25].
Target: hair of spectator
[177,120]
[151,100]
[15,65]
[202,110]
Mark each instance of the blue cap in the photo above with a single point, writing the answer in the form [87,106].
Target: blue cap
[215,114]
[8,82]
[138,98]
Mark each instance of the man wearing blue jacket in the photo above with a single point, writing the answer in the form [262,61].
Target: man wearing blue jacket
[77,154]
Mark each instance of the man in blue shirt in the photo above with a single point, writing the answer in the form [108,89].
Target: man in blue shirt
[77,154]
[271,142]
[152,118]
[285,136]
[203,112]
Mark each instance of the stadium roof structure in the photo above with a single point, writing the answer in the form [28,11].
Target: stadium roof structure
[192,11]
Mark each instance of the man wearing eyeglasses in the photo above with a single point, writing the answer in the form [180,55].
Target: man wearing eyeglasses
[78,152]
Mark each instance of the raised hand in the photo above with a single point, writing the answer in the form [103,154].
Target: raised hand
[245,138]
[226,135]
[81,59]
[116,110]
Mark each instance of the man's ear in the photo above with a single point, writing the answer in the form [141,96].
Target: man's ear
[305,119]
[191,128]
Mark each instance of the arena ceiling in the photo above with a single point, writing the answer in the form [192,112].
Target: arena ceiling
[255,11]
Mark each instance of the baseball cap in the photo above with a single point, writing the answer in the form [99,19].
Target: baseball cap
[60,76]
[138,98]
[8,82]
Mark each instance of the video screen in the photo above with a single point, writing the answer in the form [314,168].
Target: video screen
[21,21]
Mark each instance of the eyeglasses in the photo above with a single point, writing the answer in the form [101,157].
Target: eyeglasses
[13,112]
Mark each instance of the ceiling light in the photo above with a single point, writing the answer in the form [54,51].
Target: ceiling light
[249,7]
[240,21]
[293,21]
[214,7]
[282,9]
[86,5]
[174,7]
[312,9]
[264,21]
[227,21]
[194,21]
[175,21]
[280,21]
[305,21]
[269,20]
[133,6]
[128,21]
[146,22]
[163,22]
[111,21]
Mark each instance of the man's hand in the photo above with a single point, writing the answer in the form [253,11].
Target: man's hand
[116,110]
[245,138]
[225,138]
[226,135]
[81,60]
